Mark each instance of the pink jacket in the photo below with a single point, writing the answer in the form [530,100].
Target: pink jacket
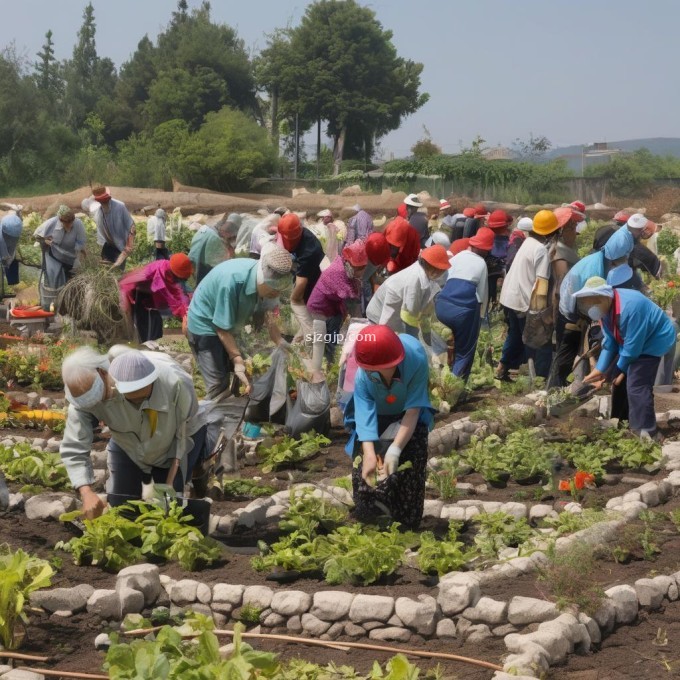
[331,291]
[157,280]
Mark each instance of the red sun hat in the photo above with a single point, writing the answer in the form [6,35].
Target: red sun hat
[290,229]
[378,347]
[180,266]
[355,254]
[564,215]
[377,249]
[480,210]
[622,216]
[499,219]
[483,239]
[436,257]
[459,245]
[579,207]
[469,212]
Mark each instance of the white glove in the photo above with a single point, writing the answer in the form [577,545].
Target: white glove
[391,460]
[240,372]
[148,492]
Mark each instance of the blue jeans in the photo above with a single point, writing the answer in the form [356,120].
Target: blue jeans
[213,362]
[514,351]
[640,387]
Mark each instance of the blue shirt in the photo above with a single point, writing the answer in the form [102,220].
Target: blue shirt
[370,399]
[226,298]
[575,279]
[643,327]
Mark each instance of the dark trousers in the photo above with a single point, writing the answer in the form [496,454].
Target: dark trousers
[515,353]
[464,323]
[568,344]
[162,253]
[333,326]
[213,362]
[640,388]
[125,482]
[148,322]
[110,254]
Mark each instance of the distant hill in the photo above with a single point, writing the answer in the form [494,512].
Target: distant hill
[659,146]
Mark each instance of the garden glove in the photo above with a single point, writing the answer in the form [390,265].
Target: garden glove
[391,460]
[240,372]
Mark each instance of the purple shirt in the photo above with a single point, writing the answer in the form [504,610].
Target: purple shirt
[359,227]
[331,291]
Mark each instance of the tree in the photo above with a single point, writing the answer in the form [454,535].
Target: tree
[47,75]
[87,76]
[425,147]
[340,66]
[532,149]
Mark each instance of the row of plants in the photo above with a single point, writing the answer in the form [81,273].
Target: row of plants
[140,532]
[33,468]
[191,651]
[289,452]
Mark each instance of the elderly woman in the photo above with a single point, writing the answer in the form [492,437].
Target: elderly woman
[404,301]
[115,228]
[338,286]
[389,417]
[637,333]
[405,245]
[462,303]
[224,302]
[156,287]
[150,408]
[213,244]
[11,227]
[155,233]
[63,240]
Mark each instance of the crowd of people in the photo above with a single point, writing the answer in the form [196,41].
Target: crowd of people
[456,267]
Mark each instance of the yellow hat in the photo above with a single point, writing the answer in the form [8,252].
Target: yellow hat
[545,222]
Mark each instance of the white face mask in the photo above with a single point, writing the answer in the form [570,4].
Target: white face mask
[581,226]
[595,313]
[90,398]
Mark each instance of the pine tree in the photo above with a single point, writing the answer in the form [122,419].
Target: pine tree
[47,74]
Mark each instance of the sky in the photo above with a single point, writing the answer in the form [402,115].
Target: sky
[576,71]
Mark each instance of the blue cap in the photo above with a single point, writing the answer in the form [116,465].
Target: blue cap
[620,244]
[619,275]
[12,225]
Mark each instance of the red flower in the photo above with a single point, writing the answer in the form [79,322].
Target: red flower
[565,485]
[584,480]
[671,284]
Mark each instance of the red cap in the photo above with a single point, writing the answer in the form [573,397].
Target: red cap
[579,206]
[378,347]
[469,212]
[396,232]
[101,194]
[483,239]
[402,211]
[459,245]
[499,219]
[480,210]
[290,230]
[436,256]
[622,216]
[180,266]
[355,254]
[377,249]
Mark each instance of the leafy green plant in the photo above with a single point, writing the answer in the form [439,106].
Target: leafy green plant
[250,613]
[308,513]
[20,575]
[343,483]
[444,386]
[442,556]
[445,482]
[246,487]
[569,523]
[620,554]
[632,452]
[26,465]
[498,530]
[290,452]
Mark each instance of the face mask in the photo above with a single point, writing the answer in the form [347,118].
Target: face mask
[595,313]
[581,226]
[90,398]
[268,304]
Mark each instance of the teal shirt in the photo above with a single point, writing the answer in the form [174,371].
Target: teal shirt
[226,298]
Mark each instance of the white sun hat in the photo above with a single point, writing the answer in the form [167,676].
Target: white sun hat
[132,371]
[412,200]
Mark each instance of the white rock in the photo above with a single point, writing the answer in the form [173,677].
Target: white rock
[453,512]
[228,594]
[605,616]
[454,598]
[273,620]
[391,634]
[573,508]
[371,608]
[331,605]
[592,627]
[49,505]
[525,610]
[488,611]
[491,506]
[614,503]
[433,508]
[184,591]
[294,624]
[17,674]
[64,599]
[478,633]
[352,630]
[226,524]
[650,593]
[291,602]
[258,596]
[517,510]
[334,632]
[313,626]
[142,577]
[632,509]
[649,494]
[203,593]
[105,604]
[53,445]
[471,512]
[131,601]
[446,628]
[275,511]
[102,642]
[553,642]
[419,615]
[625,601]
[674,479]
[540,511]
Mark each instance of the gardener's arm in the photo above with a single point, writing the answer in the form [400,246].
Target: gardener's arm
[229,343]
[186,406]
[75,454]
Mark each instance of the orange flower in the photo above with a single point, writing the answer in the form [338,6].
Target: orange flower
[671,284]
[565,485]
[584,480]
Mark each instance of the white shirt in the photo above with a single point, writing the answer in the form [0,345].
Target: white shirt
[531,262]
[403,298]
[469,266]
[155,229]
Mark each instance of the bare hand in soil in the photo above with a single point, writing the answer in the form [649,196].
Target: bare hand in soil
[369,464]
[93,506]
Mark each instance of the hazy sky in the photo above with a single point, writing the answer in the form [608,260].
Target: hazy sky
[577,71]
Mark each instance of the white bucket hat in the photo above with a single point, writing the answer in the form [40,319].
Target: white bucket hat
[132,371]
[637,221]
[412,200]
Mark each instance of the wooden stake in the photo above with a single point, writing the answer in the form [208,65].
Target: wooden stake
[65,674]
[23,657]
[347,645]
